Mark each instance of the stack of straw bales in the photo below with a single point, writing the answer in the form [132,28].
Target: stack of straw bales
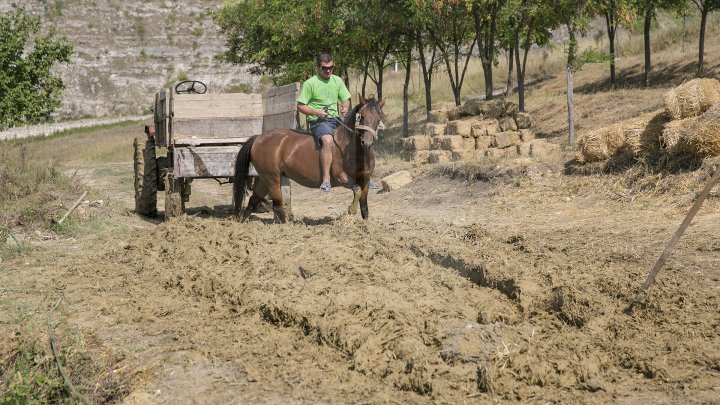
[688,125]
[477,129]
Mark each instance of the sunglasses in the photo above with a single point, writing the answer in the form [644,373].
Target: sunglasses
[327,68]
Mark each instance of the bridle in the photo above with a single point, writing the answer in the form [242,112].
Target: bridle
[373,131]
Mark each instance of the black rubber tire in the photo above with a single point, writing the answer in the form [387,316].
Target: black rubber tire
[145,167]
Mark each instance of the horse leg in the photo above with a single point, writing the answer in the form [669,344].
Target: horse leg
[363,201]
[260,189]
[353,208]
[278,204]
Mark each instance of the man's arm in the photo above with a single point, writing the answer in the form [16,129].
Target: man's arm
[344,107]
[305,109]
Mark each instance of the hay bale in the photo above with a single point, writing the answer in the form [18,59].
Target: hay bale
[462,127]
[453,142]
[671,139]
[643,134]
[419,157]
[599,144]
[701,137]
[692,98]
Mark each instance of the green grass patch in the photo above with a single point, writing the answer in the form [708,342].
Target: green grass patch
[71,132]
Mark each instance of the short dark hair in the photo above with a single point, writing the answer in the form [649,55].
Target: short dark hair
[324,58]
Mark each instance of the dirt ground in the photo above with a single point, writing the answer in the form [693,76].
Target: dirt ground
[453,292]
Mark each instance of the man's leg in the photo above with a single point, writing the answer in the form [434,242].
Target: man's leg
[326,157]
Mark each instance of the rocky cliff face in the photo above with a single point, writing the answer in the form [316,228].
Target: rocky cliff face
[127,50]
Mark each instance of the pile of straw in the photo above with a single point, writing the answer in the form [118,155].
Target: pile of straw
[638,137]
[692,98]
[701,136]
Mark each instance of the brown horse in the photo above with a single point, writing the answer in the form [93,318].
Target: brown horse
[295,154]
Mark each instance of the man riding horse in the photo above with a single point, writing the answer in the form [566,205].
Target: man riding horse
[318,100]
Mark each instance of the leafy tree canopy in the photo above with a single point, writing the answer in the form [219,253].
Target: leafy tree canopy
[29,91]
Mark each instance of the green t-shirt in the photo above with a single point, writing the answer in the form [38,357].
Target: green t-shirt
[318,94]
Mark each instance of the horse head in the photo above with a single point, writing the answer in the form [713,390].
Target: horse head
[368,118]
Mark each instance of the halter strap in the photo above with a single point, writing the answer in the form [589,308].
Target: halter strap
[367,128]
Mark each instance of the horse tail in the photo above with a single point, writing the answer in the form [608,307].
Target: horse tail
[242,168]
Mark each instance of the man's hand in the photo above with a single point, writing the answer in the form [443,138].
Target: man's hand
[322,114]
[343,110]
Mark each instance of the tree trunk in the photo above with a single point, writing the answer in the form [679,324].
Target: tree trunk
[426,73]
[611,28]
[485,37]
[571,108]
[520,69]
[646,37]
[365,77]
[510,58]
[701,46]
[406,94]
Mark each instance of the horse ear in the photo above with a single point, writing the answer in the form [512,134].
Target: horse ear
[381,103]
[362,99]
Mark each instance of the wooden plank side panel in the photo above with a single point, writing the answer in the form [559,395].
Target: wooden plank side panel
[216,127]
[161,118]
[194,141]
[206,162]
[285,120]
[214,111]
[280,106]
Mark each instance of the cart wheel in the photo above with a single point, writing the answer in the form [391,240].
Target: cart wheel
[174,204]
[145,167]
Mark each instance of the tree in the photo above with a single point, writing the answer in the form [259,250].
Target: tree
[485,16]
[30,91]
[452,33]
[612,11]
[705,7]
[648,10]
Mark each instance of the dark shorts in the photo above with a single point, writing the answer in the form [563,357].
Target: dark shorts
[324,127]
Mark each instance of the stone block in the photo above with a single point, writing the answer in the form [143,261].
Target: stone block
[396,180]
[511,108]
[492,109]
[500,153]
[419,157]
[523,149]
[417,143]
[439,116]
[506,139]
[433,129]
[483,142]
[541,147]
[460,127]
[523,120]
[453,142]
[439,156]
[527,135]
[485,127]
[507,124]
[467,154]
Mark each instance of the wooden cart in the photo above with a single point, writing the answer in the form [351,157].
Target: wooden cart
[198,135]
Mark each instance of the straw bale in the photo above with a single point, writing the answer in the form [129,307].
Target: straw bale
[600,144]
[692,98]
[417,143]
[672,134]
[642,134]
[439,156]
[702,136]
[433,129]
